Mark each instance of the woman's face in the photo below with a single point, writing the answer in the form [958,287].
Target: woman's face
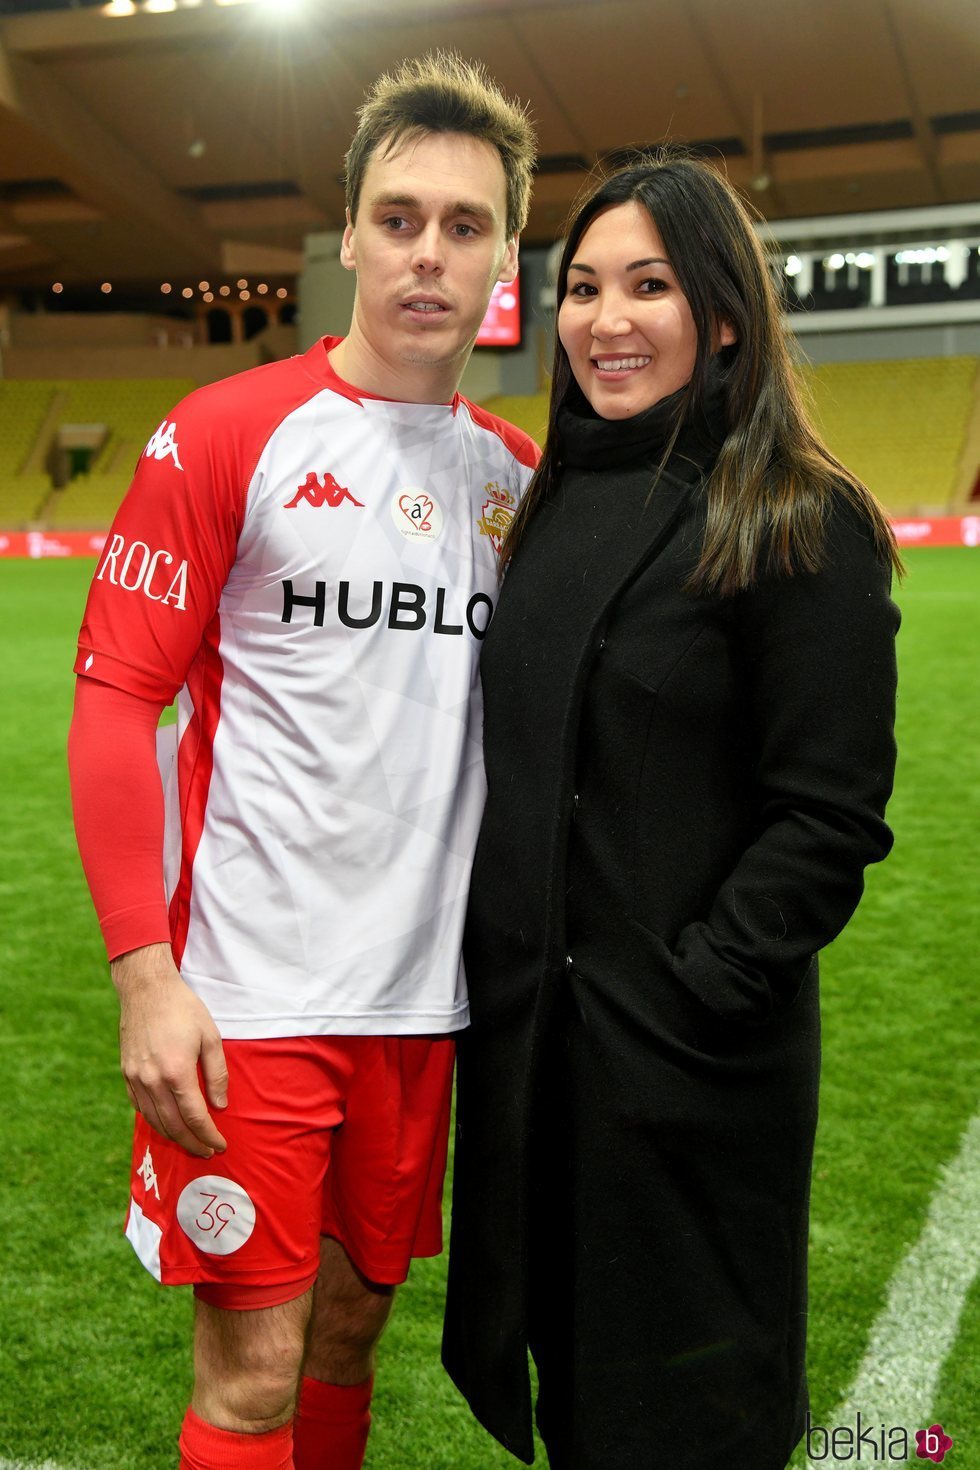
[625,323]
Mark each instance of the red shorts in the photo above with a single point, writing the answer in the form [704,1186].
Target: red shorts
[327,1135]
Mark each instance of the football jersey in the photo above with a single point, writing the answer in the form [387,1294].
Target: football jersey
[310,570]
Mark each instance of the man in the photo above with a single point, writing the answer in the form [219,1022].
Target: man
[306,558]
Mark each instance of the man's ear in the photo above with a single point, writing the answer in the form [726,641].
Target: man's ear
[347,257]
[508,266]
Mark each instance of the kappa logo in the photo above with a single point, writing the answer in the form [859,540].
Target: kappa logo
[163,445]
[323,491]
[148,1174]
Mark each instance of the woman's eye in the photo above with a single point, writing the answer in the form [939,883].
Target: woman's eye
[581,288]
[651,287]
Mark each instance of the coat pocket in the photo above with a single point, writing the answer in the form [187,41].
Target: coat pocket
[637,996]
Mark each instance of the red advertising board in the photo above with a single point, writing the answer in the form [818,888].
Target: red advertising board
[39,544]
[938,531]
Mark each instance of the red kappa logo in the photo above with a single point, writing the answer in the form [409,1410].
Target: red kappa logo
[324,491]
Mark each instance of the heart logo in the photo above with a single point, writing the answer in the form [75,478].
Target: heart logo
[418,510]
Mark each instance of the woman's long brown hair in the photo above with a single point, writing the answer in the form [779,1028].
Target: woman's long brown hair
[774,480]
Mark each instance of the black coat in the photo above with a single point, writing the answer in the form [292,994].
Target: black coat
[683,794]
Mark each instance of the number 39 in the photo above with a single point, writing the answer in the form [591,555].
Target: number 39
[214,1216]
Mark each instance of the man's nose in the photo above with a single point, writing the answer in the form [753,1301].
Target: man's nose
[429,255]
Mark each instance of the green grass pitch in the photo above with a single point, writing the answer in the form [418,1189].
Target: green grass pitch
[95,1365]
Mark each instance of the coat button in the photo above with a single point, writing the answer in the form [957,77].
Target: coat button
[602,643]
[574,806]
[568,962]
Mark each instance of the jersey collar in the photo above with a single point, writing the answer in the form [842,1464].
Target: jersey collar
[318,363]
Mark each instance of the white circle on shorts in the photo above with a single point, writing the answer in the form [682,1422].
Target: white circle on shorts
[216,1214]
[416,514]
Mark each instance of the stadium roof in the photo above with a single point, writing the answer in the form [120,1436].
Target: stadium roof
[211,136]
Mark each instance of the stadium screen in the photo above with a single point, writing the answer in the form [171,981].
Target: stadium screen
[502,323]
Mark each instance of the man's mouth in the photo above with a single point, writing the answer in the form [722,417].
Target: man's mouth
[425,308]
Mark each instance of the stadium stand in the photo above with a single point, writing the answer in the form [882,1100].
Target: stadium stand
[23,410]
[900,425]
[31,413]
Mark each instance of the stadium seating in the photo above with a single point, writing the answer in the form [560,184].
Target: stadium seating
[23,408]
[899,425]
[30,413]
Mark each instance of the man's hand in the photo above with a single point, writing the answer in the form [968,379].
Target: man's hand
[164,1032]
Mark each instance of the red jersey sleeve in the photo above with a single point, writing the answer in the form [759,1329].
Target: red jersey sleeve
[169,552]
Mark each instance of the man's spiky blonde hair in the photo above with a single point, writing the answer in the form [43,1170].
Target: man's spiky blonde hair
[442,93]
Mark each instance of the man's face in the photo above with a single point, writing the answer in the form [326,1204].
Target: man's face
[428,246]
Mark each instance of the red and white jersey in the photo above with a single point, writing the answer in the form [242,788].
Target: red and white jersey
[311,571]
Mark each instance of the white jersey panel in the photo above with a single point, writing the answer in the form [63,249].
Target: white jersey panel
[330,880]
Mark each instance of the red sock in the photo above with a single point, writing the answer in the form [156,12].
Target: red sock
[331,1426]
[203,1447]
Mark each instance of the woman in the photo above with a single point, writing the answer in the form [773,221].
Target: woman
[689,687]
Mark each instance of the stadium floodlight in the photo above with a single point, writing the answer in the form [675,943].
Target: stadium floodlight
[931,255]
[793,266]
[157,7]
[865,260]
[119,7]
[836,262]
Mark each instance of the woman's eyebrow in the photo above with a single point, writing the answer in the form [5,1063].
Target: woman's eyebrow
[634,265]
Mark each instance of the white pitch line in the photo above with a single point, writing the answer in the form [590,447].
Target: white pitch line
[916,1329]
[31,1465]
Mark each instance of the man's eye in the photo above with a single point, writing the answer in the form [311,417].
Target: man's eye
[465,231]
[395,222]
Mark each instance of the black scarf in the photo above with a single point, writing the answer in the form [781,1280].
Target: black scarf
[586,441]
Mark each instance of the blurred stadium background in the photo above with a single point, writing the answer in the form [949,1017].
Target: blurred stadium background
[170,211]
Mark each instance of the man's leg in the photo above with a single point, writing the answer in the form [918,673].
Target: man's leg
[246,1370]
[382,1199]
[349,1314]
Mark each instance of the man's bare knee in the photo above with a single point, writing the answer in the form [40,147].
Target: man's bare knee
[247,1364]
[349,1314]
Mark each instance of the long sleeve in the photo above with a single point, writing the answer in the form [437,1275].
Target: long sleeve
[117,799]
[818,652]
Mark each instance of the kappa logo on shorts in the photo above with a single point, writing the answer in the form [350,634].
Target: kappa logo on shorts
[215,1214]
[319,492]
[148,1174]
